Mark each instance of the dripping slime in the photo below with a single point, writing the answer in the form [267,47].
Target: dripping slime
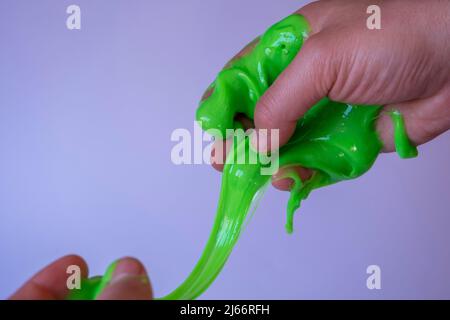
[337,141]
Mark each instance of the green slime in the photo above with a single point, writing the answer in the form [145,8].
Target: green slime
[336,140]
[92,287]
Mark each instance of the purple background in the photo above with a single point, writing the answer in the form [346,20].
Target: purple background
[85,124]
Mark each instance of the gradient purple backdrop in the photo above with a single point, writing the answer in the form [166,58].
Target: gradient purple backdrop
[85,124]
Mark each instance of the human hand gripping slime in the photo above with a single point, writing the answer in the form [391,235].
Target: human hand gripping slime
[335,140]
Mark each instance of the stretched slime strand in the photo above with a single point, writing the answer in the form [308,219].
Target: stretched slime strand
[337,141]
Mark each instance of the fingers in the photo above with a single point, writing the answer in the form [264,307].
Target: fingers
[302,84]
[424,120]
[285,184]
[299,87]
[51,282]
[129,282]
[309,77]
[221,148]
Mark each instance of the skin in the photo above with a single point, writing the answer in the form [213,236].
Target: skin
[404,66]
[129,281]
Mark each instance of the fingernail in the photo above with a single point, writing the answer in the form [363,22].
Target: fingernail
[126,268]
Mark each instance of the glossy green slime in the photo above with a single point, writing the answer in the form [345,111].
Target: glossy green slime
[337,141]
[91,288]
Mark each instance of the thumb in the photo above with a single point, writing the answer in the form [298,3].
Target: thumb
[129,282]
[302,84]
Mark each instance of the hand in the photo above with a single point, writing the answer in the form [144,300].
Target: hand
[404,66]
[129,281]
